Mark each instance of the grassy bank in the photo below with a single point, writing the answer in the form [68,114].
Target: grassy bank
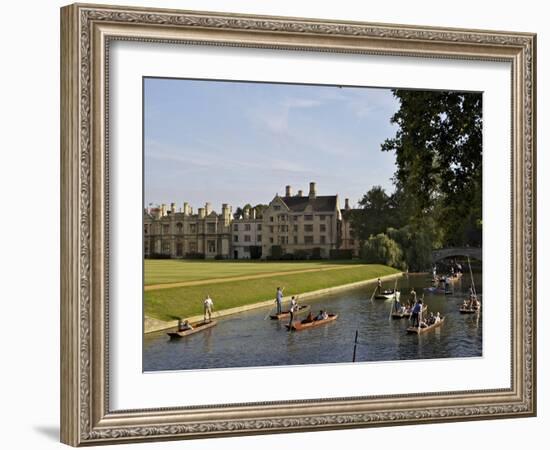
[172,271]
[170,304]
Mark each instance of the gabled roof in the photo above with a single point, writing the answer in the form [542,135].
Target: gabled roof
[321,203]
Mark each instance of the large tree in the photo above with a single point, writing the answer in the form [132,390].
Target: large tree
[375,214]
[438,148]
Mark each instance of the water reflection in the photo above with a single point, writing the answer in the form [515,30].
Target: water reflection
[247,340]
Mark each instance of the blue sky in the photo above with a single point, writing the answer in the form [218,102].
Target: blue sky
[238,142]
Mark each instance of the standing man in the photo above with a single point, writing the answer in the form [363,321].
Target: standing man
[379,286]
[416,313]
[279,300]
[208,305]
[293,305]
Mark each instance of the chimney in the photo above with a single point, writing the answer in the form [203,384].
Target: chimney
[186,208]
[347,204]
[253,213]
[201,213]
[288,191]
[246,212]
[172,208]
[312,192]
[300,193]
[162,210]
[207,209]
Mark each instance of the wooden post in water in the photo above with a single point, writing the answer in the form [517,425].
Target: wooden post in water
[355,344]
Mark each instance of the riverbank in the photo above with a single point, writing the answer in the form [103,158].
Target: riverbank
[318,284]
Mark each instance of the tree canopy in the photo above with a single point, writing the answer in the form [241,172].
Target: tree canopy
[438,177]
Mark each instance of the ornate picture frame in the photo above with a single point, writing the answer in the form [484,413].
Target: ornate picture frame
[86,34]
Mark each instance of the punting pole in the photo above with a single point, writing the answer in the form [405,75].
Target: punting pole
[355,344]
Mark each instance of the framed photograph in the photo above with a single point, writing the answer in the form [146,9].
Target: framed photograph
[276,224]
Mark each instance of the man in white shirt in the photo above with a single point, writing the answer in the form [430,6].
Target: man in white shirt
[208,305]
[292,309]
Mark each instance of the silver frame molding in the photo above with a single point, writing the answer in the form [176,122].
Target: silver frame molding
[86,31]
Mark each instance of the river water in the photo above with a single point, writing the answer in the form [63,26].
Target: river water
[248,340]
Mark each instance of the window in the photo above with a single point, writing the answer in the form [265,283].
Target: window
[259,238]
[247,238]
[271,229]
[281,217]
[283,240]
[322,217]
[235,238]
[179,226]
[165,228]
[323,228]
[259,227]
[351,242]
[308,228]
[246,227]
[277,207]
[323,239]
[236,227]
[146,229]
[295,239]
[211,227]
[271,219]
[165,247]
[211,245]
[308,217]
[296,228]
[192,228]
[308,239]
[192,247]
[271,240]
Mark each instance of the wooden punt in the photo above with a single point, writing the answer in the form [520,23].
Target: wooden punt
[463,310]
[286,314]
[418,330]
[387,295]
[300,325]
[197,327]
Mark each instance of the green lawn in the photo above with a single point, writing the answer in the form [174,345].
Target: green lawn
[170,304]
[162,271]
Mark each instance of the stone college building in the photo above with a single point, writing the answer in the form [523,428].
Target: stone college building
[293,226]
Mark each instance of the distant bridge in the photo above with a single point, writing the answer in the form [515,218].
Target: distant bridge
[442,253]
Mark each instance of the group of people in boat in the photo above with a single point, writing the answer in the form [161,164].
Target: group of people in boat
[208,308]
[415,307]
[472,301]
[293,308]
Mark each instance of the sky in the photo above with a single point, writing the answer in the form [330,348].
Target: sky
[243,142]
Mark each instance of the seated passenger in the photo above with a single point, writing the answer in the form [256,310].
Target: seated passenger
[437,318]
[325,315]
[320,315]
[184,326]
[309,318]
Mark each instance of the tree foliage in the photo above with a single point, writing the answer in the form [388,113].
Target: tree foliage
[438,148]
[438,181]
